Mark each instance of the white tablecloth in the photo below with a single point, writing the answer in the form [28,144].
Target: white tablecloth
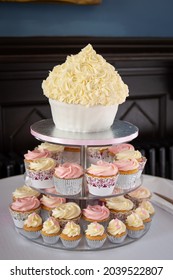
[156,244]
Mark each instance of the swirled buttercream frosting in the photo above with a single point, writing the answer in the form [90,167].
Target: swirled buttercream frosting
[115,227]
[25,204]
[134,220]
[103,168]
[25,191]
[42,164]
[33,220]
[95,229]
[69,170]
[126,164]
[96,212]
[51,201]
[128,154]
[119,203]
[69,210]
[35,154]
[148,206]
[142,192]
[87,79]
[71,229]
[51,226]
[142,213]
[50,147]
[120,147]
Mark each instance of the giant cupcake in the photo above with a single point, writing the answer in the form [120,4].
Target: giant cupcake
[84,92]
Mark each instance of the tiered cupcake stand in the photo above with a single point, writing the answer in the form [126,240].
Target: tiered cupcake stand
[120,132]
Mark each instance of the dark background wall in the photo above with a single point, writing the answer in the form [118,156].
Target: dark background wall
[123,18]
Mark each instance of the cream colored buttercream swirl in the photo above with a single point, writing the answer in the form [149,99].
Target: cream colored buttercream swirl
[42,164]
[142,213]
[140,193]
[50,147]
[51,201]
[35,154]
[69,170]
[69,210]
[87,79]
[33,220]
[120,147]
[126,164]
[96,212]
[25,191]
[51,226]
[130,154]
[103,168]
[115,227]
[134,220]
[148,206]
[25,204]
[95,229]
[119,203]
[71,229]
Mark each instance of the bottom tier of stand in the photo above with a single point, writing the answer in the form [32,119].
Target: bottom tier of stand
[83,246]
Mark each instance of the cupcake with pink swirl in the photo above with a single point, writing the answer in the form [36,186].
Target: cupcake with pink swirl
[95,213]
[101,178]
[128,173]
[21,208]
[49,202]
[32,226]
[68,178]
[35,154]
[55,150]
[116,231]
[115,149]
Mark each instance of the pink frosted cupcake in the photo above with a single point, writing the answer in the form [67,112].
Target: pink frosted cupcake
[95,213]
[21,208]
[55,150]
[101,178]
[40,172]
[115,149]
[128,173]
[35,154]
[68,178]
[48,203]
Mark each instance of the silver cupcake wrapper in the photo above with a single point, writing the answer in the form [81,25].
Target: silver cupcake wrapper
[95,243]
[115,239]
[69,186]
[126,181]
[50,239]
[135,233]
[32,234]
[70,243]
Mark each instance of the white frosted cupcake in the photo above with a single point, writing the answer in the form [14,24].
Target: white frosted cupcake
[35,154]
[67,212]
[101,178]
[148,206]
[139,195]
[25,191]
[56,151]
[95,235]
[68,178]
[145,216]
[32,226]
[50,231]
[41,172]
[71,235]
[94,154]
[48,203]
[115,149]
[135,226]
[116,231]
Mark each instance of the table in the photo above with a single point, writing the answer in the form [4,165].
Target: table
[157,244]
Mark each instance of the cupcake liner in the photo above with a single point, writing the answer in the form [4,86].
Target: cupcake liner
[95,243]
[20,217]
[70,243]
[95,155]
[147,225]
[45,214]
[141,167]
[101,186]
[127,181]
[68,186]
[122,216]
[32,234]
[115,239]
[135,233]
[41,179]
[50,239]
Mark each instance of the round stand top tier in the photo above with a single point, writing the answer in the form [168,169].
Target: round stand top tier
[120,132]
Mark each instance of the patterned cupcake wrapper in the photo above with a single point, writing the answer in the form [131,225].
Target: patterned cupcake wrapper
[32,234]
[101,186]
[20,217]
[70,243]
[117,240]
[127,182]
[135,233]
[50,239]
[94,244]
[120,215]
[69,186]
